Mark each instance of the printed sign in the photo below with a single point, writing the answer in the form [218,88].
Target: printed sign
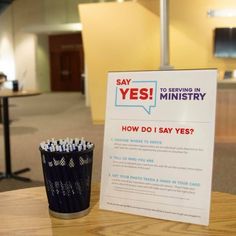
[158,144]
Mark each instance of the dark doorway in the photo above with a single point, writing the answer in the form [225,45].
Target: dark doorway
[66,62]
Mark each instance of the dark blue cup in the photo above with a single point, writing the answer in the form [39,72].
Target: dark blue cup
[67,178]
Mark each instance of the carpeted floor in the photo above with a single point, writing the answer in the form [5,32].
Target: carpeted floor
[224,168]
[12,184]
[38,118]
[61,115]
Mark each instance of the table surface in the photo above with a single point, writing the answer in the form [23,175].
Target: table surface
[25,212]
[22,93]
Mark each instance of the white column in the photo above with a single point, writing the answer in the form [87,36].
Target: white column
[164,34]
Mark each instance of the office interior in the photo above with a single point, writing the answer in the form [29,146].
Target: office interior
[107,36]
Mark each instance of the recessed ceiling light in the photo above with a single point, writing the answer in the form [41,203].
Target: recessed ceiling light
[222,13]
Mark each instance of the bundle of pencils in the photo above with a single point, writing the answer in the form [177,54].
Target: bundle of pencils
[66,145]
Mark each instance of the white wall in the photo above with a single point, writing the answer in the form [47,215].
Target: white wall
[42,63]
[25,13]
[7,62]
[17,48]
[24,55]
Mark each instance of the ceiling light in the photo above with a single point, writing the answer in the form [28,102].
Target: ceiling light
[222,13]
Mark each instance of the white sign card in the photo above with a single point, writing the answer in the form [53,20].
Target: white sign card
[158,144]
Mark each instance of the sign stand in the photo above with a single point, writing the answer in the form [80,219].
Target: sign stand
[158,144]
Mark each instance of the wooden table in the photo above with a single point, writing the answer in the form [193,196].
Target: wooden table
[25,212]
[4,96]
